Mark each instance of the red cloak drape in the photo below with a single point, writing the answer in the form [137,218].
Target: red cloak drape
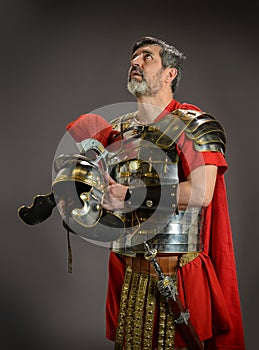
[210,280]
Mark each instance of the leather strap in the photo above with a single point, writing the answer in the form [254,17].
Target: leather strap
[168,263]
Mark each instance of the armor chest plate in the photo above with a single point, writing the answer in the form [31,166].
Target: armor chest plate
[147,157]
[139,159]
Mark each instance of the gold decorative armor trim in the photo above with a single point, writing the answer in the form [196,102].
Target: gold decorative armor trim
[139,300]
[150,314]
[204,130]
[137,314]
[123,306]
[186,258]
[139,311]
[129,331]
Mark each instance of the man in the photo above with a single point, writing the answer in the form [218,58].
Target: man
[138,317]
[166,185]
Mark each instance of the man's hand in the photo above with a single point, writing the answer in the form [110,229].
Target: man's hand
[114,196]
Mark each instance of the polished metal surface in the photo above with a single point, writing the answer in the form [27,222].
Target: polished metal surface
[181,234]
[140,161]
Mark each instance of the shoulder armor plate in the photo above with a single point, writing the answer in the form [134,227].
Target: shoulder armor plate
[204,130]
[126,119]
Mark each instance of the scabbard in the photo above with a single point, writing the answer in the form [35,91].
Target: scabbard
[186,328]
[169,291]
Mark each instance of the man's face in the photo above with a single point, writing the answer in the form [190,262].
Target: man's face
[145,77]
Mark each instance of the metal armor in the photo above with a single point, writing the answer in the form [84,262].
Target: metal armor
[147,157]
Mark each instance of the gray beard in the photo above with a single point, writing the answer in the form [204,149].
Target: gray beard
[139,88]
[142,88]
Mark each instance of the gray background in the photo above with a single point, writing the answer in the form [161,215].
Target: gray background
[60,59]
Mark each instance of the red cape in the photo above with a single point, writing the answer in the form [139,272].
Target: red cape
[210,280]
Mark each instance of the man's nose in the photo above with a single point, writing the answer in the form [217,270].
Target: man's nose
[135,66]
[136,61]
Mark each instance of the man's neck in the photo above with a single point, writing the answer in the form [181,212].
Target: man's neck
[149,107]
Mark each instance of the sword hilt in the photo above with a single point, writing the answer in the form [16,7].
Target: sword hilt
[165,284]
[150,255]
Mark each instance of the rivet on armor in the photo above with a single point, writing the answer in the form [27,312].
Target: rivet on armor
[149,203]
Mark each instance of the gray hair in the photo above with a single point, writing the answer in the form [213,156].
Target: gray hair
[170,56]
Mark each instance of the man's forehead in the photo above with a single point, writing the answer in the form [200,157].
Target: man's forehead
[149,48]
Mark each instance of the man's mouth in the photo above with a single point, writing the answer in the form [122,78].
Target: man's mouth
[135,73]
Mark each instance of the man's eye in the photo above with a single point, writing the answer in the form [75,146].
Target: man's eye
[148,56]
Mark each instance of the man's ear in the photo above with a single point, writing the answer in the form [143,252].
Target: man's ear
[171,74]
